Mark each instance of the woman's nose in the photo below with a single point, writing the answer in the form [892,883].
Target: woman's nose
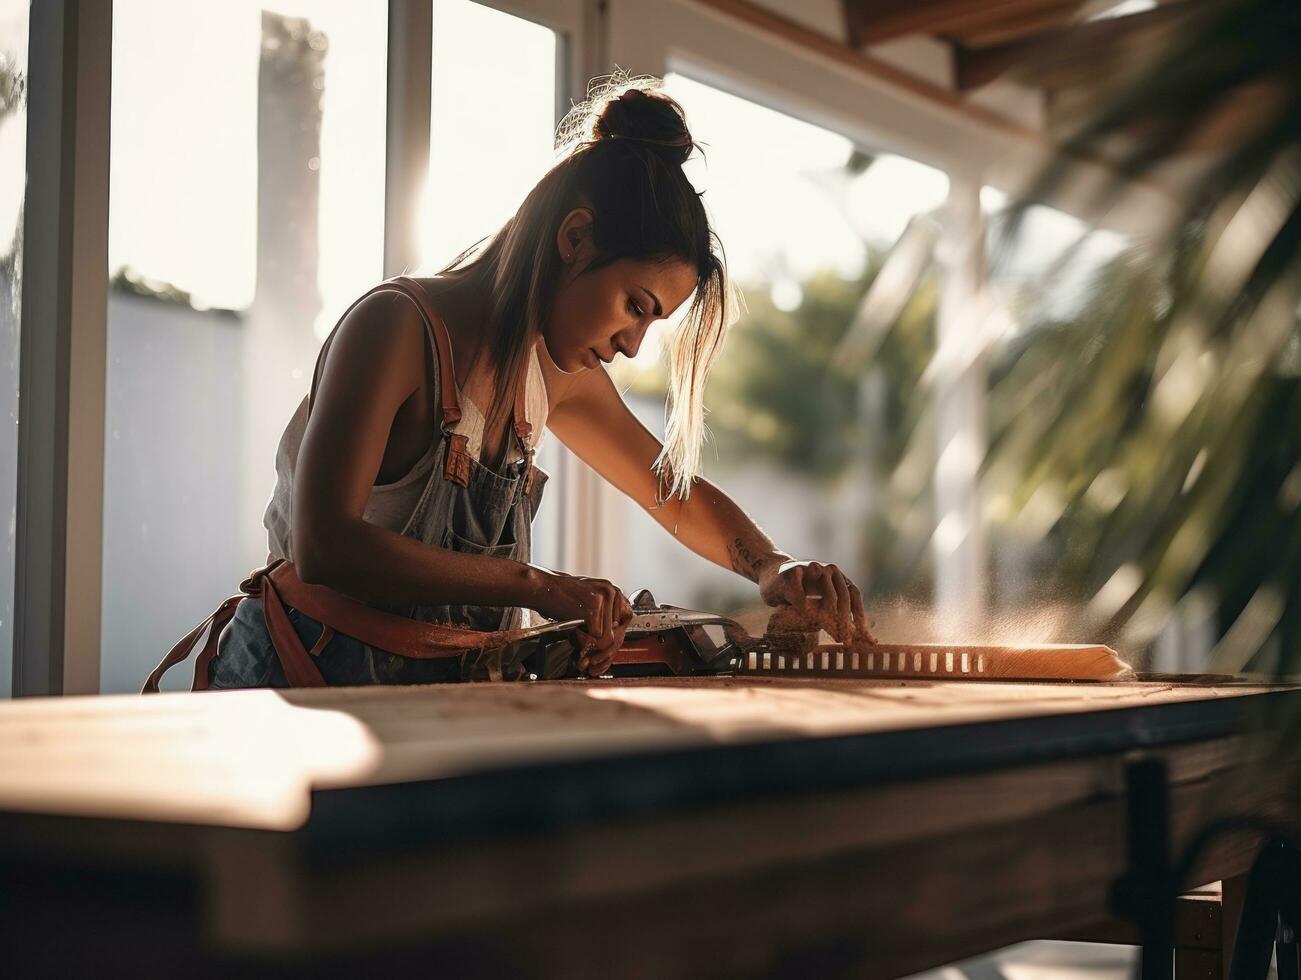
[629,343]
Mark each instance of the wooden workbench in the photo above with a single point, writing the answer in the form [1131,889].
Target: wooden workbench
[719,826]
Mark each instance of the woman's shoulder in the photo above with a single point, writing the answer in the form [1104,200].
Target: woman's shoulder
[382,335]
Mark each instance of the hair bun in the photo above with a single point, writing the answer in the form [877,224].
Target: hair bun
[620,107]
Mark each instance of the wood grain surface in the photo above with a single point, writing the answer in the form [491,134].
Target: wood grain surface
[252,758]
[276,827]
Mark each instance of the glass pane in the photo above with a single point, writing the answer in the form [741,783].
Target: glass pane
[1107,480]
[492,122]
[1025,456]
[492,125]
[246,213]
[818,456]
[13,187]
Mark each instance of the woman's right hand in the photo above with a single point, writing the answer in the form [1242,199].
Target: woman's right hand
[605,612]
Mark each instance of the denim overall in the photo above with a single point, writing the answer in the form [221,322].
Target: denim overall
[465,506]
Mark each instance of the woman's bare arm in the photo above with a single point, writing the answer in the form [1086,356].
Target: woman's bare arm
[591,418]
[377,360]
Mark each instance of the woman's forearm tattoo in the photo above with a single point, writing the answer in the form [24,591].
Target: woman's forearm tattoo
[744,560]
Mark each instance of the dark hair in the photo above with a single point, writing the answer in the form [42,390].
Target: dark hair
[622,151]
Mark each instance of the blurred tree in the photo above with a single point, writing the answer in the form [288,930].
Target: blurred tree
[1165,418]
[13,87]
[13,97]
[778,393]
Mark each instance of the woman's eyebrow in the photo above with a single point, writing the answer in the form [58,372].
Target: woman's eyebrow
[659,310]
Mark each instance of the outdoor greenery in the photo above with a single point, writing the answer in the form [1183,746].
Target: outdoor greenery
[1183,396]
[1144,453]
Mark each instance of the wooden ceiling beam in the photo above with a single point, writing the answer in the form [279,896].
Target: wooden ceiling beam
[1077,45]
[854,22]
[882,20]
[763,20]
[1010,29]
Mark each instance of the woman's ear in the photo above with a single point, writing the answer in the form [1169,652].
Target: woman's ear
[574,239]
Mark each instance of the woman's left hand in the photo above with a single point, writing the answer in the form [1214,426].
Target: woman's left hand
[820,594]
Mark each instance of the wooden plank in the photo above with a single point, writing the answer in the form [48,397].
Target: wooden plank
[1198,925]
[954,661]
[854,17]
[835,50]
[882,878]
[888,879]
[1073,45]
[1013,28]
[1233,894]
[253,758]
[875,875]
[884,20]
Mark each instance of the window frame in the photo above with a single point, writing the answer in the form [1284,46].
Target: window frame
[62,351]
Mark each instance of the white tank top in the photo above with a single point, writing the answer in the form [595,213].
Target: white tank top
[391,505]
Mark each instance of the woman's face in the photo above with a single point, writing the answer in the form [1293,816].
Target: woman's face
[598,315]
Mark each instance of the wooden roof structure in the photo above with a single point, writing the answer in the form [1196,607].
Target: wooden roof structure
[1051,44]
[1073,54]
[1070,51]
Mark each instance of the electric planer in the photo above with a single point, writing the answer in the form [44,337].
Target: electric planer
[663,640]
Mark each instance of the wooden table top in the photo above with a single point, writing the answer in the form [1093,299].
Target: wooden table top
[906,824]
[272,759]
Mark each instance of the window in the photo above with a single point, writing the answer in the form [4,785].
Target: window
[492,121]
[816,454]
[246,213]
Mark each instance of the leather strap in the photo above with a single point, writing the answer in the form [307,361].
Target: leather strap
[451,404]
[278,585]
[383,630]
[456,467]
[449,401]
[299,668]
[217,621]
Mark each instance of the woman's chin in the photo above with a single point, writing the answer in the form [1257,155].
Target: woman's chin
[571,361]
[578,361]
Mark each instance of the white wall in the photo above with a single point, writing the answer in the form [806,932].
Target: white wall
[172,469]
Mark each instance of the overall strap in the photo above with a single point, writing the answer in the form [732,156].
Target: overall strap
[519,417]
[457,466]
[523,427]
[451,404]
[449,401]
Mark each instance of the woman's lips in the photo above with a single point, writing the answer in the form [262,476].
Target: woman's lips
[596,359]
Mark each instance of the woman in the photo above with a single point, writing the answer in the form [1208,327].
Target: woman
[405,480]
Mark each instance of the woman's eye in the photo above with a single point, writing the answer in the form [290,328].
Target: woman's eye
[635,308]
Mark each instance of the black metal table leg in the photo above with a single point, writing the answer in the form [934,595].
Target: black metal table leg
[1287,952]
[1270,916]
[1146,895]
